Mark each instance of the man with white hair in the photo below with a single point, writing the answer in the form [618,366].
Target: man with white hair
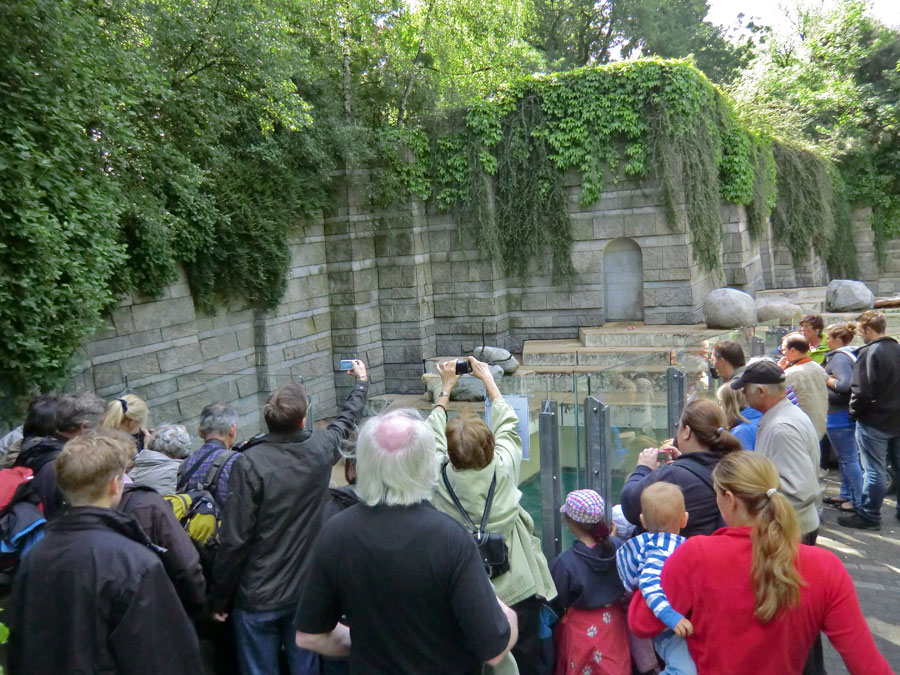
[408,578]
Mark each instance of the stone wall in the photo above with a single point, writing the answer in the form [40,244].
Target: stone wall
[410,284]
[179,360]
[883,281]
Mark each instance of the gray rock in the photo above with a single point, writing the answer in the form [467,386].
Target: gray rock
[490,354]
[470,388]
[497,356]
[777,309]
[729,308]
[845,295]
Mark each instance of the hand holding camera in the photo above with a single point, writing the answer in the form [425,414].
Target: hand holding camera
[355,367]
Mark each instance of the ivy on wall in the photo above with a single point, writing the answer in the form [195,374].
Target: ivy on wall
[630,119]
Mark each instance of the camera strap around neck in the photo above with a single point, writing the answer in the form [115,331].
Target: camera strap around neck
[459,507]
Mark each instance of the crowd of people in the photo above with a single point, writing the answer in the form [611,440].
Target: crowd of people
[136,555]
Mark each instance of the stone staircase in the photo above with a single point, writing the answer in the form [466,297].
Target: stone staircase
[614,344]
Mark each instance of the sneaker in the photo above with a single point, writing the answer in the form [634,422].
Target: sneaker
[859,522]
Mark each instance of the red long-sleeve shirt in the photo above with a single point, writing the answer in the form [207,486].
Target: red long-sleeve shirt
[708,580]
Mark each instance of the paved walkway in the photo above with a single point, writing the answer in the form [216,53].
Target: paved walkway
[873,560]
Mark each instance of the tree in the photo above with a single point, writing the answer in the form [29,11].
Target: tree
[574,33]
[836,83]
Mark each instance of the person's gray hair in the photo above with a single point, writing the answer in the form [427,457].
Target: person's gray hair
[395,459]
[75,411]
[217,418]
[172,440]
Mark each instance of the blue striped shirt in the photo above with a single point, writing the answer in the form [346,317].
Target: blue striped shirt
[640,562]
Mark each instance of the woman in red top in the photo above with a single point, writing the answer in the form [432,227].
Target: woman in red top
[758,598]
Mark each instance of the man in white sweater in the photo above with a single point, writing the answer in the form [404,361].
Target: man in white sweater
[787,437]
[807,378]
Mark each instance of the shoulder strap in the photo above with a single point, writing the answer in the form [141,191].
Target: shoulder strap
[462,511]
[700,471]
[212,474]
[186,478]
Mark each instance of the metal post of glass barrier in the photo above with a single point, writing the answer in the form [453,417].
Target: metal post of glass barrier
[597,445]
[757,346]
[674,397]
[551,479]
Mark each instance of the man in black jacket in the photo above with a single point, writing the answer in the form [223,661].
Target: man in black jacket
[92,596]
[271,520]
[875,405]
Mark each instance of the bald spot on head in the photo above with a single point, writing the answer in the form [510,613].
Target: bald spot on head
[395,434]
[662,507]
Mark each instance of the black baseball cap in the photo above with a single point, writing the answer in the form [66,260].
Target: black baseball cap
[759,372]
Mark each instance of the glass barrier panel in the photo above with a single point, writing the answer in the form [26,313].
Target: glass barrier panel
[635,392]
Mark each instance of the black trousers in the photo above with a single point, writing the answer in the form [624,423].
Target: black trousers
[527,650]
[815,662]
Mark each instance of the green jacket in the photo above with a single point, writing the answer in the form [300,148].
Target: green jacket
[528,571]
[817,354]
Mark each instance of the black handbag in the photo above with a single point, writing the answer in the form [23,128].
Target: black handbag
[491,547]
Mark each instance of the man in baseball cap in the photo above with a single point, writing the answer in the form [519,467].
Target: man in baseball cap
[763,371]
[787,437]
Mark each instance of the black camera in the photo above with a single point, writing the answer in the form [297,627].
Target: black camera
[463,367]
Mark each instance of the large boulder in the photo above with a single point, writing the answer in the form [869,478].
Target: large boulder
[846,295]
[772,308]
[468,388]
[497,356]
[729,308]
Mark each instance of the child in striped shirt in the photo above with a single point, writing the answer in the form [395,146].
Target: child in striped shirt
[640,562]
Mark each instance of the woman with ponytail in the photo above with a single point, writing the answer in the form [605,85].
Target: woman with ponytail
[701,440]
[130,414]
[591,636]
[756,597]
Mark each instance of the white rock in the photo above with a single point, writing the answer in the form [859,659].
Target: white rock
[729,308]
[845,295]
[773,308]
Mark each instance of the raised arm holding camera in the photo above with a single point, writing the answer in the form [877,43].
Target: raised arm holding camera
[474,461]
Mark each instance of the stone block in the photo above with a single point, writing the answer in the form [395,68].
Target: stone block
[123,320]
[163,313]
[107,375]
[180,330]
[176,358]
[218,346]
[159,389]
[148,337]
[108,346]
[140,366]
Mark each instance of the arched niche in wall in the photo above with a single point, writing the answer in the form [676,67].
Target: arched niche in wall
[623,280]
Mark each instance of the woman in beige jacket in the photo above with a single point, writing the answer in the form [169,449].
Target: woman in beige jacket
[474,454]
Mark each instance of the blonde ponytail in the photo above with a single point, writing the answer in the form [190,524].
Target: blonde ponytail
[128,413]
[753,480]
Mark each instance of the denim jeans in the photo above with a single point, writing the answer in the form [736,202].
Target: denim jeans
[875,446]
[260,637]
[674,651]
[843,440]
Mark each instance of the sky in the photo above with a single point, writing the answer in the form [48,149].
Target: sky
[770,12]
